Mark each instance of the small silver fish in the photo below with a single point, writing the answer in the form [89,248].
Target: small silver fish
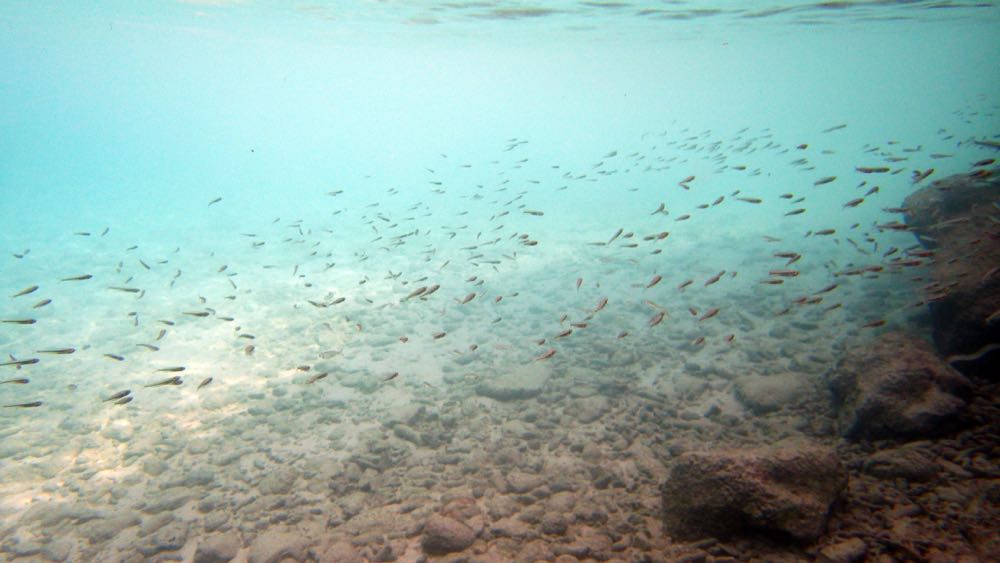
[25,291]
[30,405]
[117,395]
[175,380]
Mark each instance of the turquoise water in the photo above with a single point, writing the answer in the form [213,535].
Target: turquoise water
[364,150]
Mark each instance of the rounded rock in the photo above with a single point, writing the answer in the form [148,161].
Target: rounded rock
[446,535]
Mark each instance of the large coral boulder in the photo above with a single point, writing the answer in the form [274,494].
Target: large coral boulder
[896,388]
[786,489]
[956,218]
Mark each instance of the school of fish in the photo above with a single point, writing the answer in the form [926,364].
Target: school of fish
[449,267]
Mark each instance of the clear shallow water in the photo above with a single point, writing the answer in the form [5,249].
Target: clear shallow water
[361,151]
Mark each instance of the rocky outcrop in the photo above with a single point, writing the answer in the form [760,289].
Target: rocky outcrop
[219,548]
[443,534]
[896,388]
[525,382]
[787,489]
[910,461]
[956,219]
[765,394]
[276,545]
[847,551]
